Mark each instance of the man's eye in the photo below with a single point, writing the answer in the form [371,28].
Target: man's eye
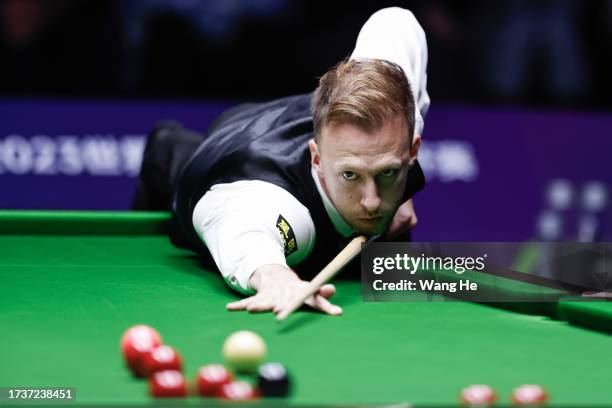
[389,172]
[349,175]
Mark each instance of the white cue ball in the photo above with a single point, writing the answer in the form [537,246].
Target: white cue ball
[244,350]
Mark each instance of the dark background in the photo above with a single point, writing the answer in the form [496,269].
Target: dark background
[529,53]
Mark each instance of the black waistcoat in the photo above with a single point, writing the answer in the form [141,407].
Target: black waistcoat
[267,142]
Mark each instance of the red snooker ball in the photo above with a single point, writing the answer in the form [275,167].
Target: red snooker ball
[238,391]
[478,395]
[167,384]
[136,342]
[529,394]
[162,358]
[211,378]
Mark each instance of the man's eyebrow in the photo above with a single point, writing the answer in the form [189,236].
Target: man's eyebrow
[354,164]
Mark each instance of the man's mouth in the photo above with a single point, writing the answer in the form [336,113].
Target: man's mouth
[371,220]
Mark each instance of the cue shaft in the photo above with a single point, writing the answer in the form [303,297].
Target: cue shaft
[345,256]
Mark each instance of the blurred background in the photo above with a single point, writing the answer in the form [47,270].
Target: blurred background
[527,52]
[517,142]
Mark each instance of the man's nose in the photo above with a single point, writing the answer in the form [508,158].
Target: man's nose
[369,197]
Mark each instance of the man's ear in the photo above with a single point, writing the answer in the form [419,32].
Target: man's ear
[315,157]
[414,149]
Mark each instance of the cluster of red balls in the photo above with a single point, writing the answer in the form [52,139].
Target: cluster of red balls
[147,357]
[484,395]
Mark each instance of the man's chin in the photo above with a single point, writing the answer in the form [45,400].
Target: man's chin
[370,228]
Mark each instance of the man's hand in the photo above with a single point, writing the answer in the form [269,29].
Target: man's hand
[404,220]
[277,286]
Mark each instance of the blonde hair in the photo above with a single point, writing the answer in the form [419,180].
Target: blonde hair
[363,93]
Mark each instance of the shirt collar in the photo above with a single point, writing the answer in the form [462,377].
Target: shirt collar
[339,223]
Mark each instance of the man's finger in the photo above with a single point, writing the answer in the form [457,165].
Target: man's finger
[327,291]
[260,305]
[239,304]
[394,228]
[403,220]
[412,220]
[324,305]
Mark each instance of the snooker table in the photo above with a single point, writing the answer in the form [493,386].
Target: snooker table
[72,282]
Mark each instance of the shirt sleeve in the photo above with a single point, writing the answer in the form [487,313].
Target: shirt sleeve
[248,224]
[395,35]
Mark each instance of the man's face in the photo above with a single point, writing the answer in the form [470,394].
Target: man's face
[364,173]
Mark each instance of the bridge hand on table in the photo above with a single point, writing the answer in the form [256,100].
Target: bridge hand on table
[277,286]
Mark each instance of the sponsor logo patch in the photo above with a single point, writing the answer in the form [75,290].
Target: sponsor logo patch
[287,235]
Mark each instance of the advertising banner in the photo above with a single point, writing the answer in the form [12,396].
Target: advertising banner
[492,174]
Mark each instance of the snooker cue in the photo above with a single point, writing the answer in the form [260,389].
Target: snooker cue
[349,252]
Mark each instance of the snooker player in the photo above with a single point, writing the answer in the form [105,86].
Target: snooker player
[273,191]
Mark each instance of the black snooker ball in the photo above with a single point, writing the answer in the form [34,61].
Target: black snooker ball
[273,380]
